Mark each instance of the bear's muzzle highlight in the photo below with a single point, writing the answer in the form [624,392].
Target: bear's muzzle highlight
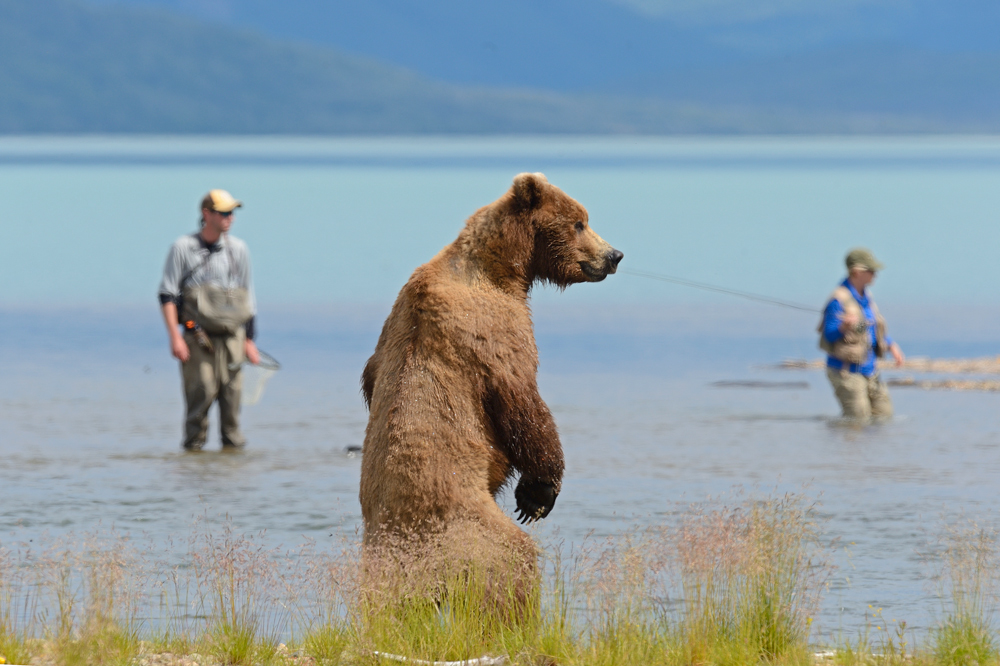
[608,266]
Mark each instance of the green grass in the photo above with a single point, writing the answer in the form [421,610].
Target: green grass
[94,595]
[238,582]
[15,649]
[967,633]
[750,579]
[17,610]
[727,585]
[327,644]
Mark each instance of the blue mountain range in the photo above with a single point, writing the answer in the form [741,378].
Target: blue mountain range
[390,66]
[588,45]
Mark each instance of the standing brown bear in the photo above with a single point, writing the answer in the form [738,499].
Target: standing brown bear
[451,389]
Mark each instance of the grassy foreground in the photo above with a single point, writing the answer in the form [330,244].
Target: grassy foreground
[730,585]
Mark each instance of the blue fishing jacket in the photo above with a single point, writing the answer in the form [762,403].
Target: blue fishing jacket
[831,331]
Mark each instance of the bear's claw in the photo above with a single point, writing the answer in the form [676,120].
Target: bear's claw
[535,500]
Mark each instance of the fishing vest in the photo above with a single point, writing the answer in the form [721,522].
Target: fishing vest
[853,346]
[217,309]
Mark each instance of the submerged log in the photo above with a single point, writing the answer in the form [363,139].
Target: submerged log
[946,384]
[987,365]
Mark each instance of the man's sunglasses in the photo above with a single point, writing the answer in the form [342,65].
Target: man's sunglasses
[228,213]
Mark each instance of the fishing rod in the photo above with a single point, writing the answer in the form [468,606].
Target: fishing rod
[721,290]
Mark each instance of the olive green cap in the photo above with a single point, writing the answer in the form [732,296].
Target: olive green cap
[861,257]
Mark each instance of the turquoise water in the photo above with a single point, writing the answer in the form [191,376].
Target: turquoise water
[332,220]
[90,405]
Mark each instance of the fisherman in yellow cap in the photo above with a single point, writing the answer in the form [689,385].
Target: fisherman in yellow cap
[853,334]
[207,292]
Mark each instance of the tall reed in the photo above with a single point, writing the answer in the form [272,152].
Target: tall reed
[18,607]
[327,617]
[447,598]
[114,589]
[725,585]
[750,580]
[969,579]
[238,591]
[624,589]
[92,597]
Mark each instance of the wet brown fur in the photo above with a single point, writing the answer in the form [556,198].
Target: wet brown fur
[451,388]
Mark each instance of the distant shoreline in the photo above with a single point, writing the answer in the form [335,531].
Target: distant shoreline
[503,150]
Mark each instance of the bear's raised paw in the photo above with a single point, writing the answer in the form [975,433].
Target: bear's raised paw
[535,499]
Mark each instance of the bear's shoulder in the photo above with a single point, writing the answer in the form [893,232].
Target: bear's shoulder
[466,310]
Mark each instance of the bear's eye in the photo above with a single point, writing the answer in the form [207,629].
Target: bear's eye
[578,226]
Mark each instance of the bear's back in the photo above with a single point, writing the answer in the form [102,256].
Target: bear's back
[428,447]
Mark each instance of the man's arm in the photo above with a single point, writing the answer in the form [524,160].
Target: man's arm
[833,321]
[897,353]
[178,347]
[170,288]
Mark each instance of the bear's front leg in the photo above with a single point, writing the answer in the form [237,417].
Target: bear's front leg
[525,431]
[535,499]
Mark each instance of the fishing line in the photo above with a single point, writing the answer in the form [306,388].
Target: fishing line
[721,290]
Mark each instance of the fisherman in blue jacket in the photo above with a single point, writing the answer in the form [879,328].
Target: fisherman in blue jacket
[853,334]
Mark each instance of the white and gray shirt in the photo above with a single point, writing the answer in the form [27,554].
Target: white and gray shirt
[191,262]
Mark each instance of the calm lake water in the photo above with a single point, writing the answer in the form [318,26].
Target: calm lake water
[90,403]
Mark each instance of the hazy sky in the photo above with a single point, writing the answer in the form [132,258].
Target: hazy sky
[782,24]
[732,11]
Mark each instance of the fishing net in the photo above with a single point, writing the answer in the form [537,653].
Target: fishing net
[255,378]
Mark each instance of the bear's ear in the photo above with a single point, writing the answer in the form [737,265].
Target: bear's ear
[527,189]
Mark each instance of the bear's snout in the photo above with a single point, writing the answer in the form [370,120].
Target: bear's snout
[602,265]
[614,257]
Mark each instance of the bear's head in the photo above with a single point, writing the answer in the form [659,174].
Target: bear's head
[544,235]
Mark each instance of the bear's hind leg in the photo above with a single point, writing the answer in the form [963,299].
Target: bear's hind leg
[499,563]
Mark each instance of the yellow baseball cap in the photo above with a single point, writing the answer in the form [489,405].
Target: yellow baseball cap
[220,201]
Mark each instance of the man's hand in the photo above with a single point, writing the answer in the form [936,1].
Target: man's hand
[848,321]
[897,354]
[179,348]
[252,354]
